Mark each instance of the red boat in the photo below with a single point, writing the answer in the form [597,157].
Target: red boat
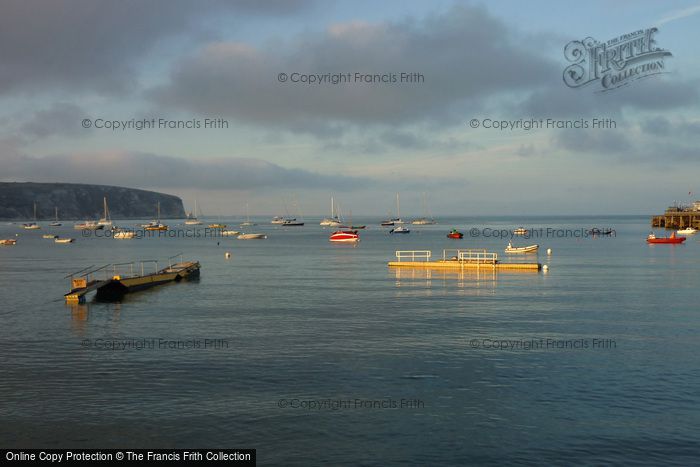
[672,239]
[454,233]
[345,236]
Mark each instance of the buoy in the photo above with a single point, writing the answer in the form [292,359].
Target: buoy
[545,268]
[549,251]
[227,255]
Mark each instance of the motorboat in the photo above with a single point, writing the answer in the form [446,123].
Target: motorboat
[399,230]
[292,223]
[8,242]
[521,249]
[673,239]
[454,233]
[346,236]
[64,240]
[252,236]
[155,226]
[49,236]
[521,231]
[229,233]
[124,235]
[688,231]
[279,220]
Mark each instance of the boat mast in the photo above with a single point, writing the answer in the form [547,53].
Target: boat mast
[34,211]
[56,208]
[398,207]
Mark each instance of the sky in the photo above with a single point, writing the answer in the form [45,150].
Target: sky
[285,142]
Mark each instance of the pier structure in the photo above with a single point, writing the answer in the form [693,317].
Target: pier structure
[677,218]
[459,259]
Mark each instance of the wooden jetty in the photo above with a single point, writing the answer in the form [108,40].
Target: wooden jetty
[459,260]
[114,284]
[677,218]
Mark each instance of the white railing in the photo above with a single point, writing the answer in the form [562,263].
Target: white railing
[480,256]
[413,255]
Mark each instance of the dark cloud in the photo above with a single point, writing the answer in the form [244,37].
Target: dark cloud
[465,55]
[96,44]
[61,118]
[150,170]
[658,93]
[630,145]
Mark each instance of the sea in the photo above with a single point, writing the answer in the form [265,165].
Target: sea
[316,353]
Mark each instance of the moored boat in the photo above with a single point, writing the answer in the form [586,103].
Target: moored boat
[252,236]
[454,233]
[521,249]
[88,225]
[124,235]
[49,236]
[521,231]
[56,223]
[8,241]
[229,233]
[63,240]
[688,231]
[347,236]
[399,230]
[32,225]
[292,223]
[673,239]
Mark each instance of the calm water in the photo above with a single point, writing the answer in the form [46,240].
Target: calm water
[306,320]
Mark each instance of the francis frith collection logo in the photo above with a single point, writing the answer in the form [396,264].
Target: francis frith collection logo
[615,63]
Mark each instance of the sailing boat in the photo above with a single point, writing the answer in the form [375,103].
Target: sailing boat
[192,218]
[105,221]
[394,220]
[32,225]
[156,224]
[426,219]
[247,218]
[332,221]
[294,222]
[56,223]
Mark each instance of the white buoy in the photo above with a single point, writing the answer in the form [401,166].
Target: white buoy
[227,255]
[545,268]
[549,251]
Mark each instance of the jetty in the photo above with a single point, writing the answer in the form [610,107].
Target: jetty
[110,283]
[458,259]
[678,217]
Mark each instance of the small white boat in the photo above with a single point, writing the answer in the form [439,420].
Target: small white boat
[229,233]
[124,235]
[248,222]
[56,223]
[192,217]
[252,236]
[688,231]
[64,240]
[521,231]
[49,236]
[424,221]
[399,230]
[521,249]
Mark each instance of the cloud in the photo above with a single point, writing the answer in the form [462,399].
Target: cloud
[61,118]
[679,14]
[96,44]
[653,94]
[465,56]
[150,170]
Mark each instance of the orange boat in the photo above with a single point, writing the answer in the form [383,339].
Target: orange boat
[672,239]
[454,233]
